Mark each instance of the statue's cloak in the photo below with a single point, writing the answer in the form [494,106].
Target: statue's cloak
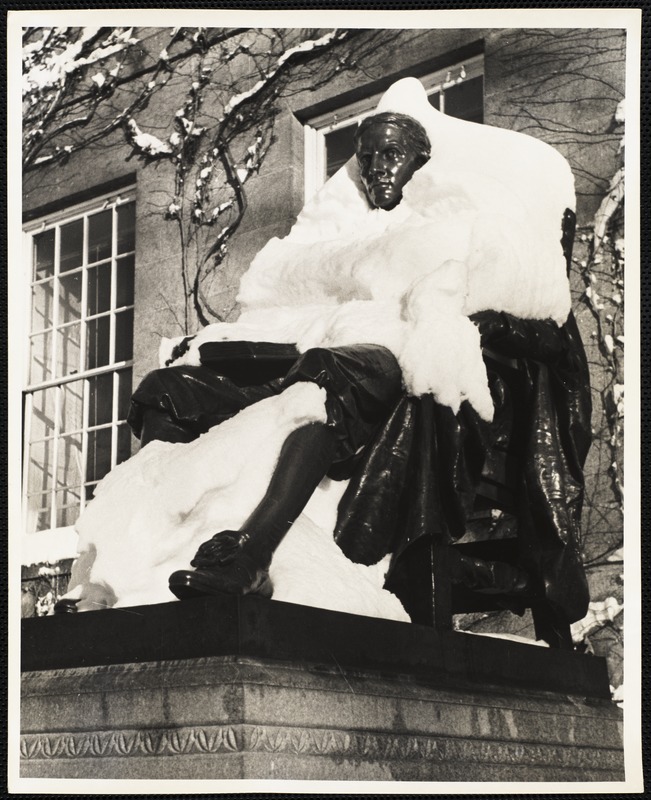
[422,479]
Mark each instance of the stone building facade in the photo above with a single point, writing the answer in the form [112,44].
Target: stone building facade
[563,86]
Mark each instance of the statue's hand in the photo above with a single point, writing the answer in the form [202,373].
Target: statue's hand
[520,338]
[491,324]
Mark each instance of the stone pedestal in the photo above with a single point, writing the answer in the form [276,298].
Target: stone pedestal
[366,700]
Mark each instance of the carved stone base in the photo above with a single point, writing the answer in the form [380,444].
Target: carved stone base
[241,716]
[225,717]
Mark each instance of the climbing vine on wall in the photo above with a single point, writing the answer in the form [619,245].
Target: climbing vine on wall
[211,98]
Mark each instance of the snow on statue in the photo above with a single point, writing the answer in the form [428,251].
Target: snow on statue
[382,285]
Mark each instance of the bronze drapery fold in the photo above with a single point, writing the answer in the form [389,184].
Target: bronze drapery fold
[427,471]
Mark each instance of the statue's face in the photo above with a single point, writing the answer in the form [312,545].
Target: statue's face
[386,163]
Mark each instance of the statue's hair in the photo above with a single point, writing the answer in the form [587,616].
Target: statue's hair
[415,133]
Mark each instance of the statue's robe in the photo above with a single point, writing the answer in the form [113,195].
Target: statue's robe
[427,471]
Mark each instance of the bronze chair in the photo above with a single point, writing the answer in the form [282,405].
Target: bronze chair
[468,574]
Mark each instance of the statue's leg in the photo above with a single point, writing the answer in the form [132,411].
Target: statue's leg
[177,404]
[304,460]
[238,561]
[362,385]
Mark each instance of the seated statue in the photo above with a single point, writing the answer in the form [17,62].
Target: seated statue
[416,291]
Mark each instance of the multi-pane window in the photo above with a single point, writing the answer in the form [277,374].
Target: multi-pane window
[457,90]
[80,357]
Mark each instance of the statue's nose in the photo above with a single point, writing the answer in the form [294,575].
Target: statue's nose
[377,165]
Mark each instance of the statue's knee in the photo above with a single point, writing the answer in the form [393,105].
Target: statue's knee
[316,356]
[337,367]
[159,425]
[318,360]
[315,365]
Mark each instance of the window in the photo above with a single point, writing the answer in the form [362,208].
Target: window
[457,90]
[81,267]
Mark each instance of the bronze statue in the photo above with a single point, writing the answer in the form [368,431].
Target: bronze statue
[418,471]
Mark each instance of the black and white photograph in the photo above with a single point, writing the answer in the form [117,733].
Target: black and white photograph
[317,324]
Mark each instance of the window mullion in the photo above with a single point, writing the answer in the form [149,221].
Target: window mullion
[84,300]
[114,291]
[55,455]
[83,365]
[114,420]
[54,372]
[29,308]
[29,398]
[114,282]
[314,149]
[84,439]
[29,406]
[55,300]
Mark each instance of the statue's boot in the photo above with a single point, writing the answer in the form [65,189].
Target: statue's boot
[237,562]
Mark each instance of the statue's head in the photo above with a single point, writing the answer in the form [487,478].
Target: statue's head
[390,147]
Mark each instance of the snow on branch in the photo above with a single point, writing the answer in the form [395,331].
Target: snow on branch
[609,205]
[53,67]
[284,58]
[145,143]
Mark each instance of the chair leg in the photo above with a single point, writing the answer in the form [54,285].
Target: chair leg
[442,588]
[551,628]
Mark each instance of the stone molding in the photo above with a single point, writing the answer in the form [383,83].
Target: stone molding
[238,739]
[212,670]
